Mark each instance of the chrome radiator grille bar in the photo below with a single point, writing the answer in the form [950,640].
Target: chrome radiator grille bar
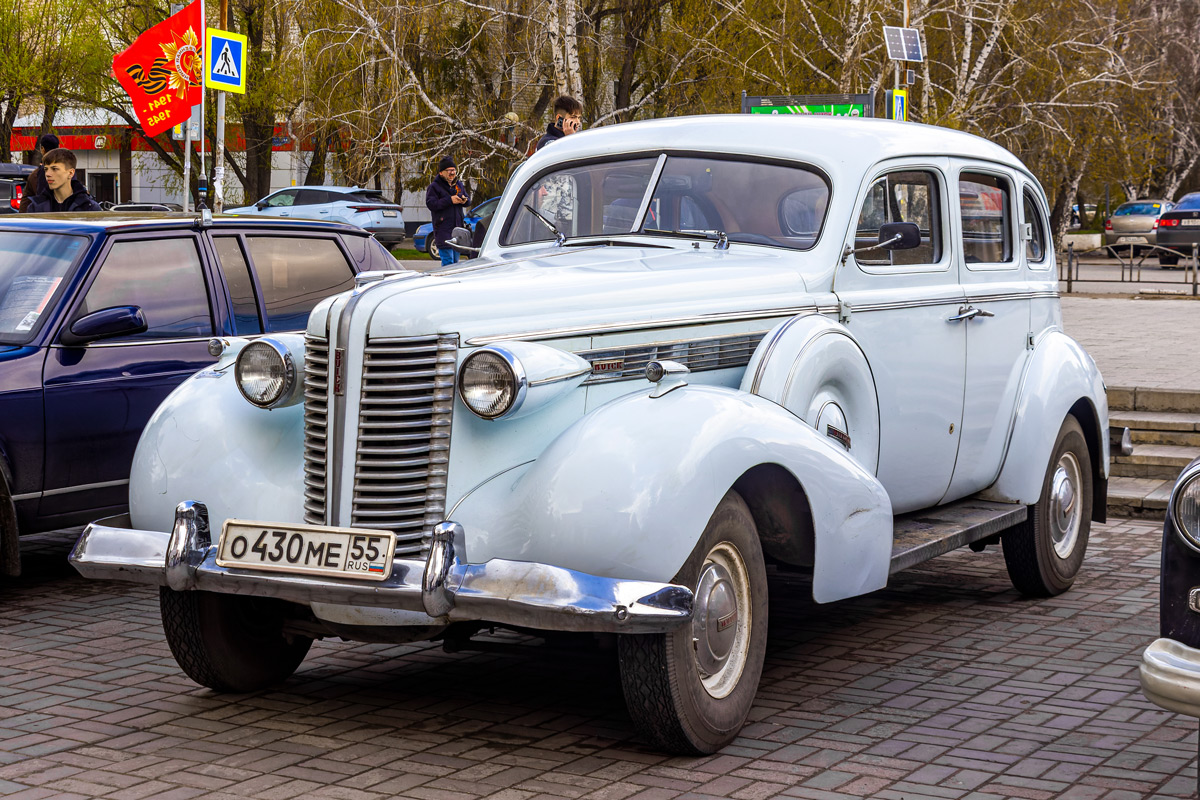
[403,443]
[316,427]
[719,352]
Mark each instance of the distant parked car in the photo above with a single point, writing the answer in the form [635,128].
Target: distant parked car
[1089,211]
[102,315]
[18,171]
[1179,229]
[1133,224]
[423,239]
[366,208]
[11,190]
[142,207]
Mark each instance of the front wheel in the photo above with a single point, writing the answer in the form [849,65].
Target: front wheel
[1168,260]
[1043,554]
[432,248]
[689,691]
[230,643]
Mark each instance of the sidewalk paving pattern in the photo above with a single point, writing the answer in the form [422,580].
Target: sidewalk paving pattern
[945,685]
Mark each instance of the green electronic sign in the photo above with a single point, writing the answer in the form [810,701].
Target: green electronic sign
[828,105]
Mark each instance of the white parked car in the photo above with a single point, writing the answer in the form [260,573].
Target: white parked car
[689,347]
[366,208]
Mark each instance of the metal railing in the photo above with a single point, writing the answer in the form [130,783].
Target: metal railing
[1131,269]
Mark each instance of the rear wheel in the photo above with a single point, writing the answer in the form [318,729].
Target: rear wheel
[230,643]
[689,691]
[1044,553]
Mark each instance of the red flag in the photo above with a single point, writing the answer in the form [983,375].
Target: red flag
[162,70]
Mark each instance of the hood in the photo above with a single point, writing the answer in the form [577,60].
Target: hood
[581,287]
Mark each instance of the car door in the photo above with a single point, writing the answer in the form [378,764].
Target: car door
[99,396]
[995,317]
[310,204]
[896,305]
[280,204]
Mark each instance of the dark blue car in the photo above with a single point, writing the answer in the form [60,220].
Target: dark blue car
[423,238]
[102,315]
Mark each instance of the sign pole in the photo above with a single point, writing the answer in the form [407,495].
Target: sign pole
[187,166]
[219,144]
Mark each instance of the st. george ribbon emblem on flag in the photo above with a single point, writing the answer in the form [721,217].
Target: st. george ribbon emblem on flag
[162,70]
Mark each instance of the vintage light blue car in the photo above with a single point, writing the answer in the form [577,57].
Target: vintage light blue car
[689,346]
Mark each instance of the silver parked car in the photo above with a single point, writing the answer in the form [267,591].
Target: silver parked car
[1133,224]
[366,208]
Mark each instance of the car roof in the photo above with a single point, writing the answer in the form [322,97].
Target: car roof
[109,221]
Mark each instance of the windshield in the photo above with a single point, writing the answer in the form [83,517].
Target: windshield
[752,202]
[33,269]
[1138,210]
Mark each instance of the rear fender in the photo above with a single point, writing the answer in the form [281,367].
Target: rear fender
[1062,378]
[627,490]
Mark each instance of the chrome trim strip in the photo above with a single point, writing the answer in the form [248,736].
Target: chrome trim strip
[761,369]
[702,354]
[642,325]
[560,378]
[649,195]
[83,487]
[488,479]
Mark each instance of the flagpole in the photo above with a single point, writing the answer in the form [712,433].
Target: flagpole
[203,29]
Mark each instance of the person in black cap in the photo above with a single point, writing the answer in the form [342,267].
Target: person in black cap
[35,184]
[445,198]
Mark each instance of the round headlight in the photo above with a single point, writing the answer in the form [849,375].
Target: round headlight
[1185,507]
[265,373]
[488,383]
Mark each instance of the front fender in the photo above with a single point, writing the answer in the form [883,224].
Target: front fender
[207,443]
[627,490]
[1059,376]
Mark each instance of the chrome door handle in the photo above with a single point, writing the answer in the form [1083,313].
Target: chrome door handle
[969,312]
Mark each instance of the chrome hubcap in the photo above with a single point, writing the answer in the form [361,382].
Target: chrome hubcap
[1065,506]
[721,619]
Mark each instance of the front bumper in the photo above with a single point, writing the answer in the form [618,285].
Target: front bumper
[1170,675]
[506,592]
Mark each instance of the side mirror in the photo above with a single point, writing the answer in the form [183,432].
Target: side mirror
[104,324]
[260,205]
[909,233]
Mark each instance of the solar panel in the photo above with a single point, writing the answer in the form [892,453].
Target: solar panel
[903,44]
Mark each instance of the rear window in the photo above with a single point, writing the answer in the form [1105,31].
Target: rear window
[1138,210]
[33,270]
[1190,202]
[361,196]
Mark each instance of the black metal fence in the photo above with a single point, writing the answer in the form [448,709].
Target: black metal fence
[1131,261]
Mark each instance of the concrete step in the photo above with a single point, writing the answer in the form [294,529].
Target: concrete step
[1182,438]
[1164,461]
[1145,498]
[1154,420]
[1122,398]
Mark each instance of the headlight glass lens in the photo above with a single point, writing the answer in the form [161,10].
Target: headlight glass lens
[487,384]
[262,374]
[1187,511]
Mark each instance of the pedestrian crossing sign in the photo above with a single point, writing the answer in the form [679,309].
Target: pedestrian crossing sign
[224,61]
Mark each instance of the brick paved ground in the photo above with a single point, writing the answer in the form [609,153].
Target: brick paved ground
[945,685]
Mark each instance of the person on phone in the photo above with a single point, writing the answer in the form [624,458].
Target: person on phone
[445,198]
[567,119]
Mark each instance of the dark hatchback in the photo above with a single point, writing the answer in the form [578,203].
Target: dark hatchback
[1170,669]
[102,315]
[1179,230]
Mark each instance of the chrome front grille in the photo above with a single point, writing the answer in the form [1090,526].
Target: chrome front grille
[718,352]
[316,427]
[403,443]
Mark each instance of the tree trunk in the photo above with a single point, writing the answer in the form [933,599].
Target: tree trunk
[6,125]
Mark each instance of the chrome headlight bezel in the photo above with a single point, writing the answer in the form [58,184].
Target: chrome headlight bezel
[518,381]
[287,373]
[1186,486]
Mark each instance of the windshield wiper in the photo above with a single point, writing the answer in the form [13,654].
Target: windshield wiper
[720,237]
[559,236]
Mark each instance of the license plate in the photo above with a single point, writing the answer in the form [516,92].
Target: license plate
[1189,222]
[307,549]
[389,213]
[1132,240]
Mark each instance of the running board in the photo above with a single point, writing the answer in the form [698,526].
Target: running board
[922,535]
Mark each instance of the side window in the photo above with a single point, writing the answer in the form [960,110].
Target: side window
[241,287]
[285,198]
[161,276]
[1035,248]
[295,274]
[985,204]
[906,196]
[311,197]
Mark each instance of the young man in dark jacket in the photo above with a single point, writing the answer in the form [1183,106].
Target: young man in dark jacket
[63,192]
[35,184]
[568,119]
[445,198]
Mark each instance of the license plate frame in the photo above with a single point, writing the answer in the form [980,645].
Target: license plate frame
[1132,240]
[275,554]
[1189,222]
[389,213]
